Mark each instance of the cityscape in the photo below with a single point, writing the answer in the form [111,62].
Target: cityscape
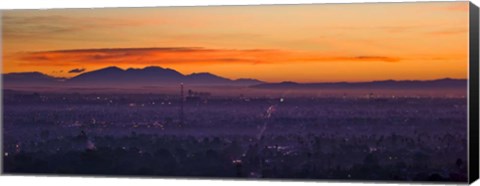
[255,93]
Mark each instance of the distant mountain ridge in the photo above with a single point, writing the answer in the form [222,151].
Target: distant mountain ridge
[114,76]
[158,76]
[22,78]
[387,84]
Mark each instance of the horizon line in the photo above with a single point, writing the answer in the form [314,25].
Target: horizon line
[270,82]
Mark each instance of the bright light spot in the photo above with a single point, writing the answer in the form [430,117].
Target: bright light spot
[6,153]
[281,100]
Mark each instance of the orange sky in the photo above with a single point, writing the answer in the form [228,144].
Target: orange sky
[303,43]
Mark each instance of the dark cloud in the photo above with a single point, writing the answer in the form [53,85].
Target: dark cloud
[77,70]
[144,56]
[186,55]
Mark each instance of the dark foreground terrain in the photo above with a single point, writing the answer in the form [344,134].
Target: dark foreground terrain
[357,138]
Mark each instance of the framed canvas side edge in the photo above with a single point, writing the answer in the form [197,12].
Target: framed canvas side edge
[473,93]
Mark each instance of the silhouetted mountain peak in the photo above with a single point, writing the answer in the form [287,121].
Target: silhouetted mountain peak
[449,79]
[206,78]
[156,68]
[109,69]
[149,68]
[29,77]
[26,74]
[154,71]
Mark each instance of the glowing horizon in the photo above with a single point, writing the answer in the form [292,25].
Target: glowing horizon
[302,43]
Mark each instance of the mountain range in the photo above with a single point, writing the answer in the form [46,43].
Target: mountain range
[114,76]
[387,84]
[158,76]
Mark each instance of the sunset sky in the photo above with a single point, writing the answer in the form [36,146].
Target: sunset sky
[303,43]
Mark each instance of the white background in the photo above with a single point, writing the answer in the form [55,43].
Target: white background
[73,181]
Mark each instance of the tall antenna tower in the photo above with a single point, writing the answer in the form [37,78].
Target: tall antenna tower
[182,100]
